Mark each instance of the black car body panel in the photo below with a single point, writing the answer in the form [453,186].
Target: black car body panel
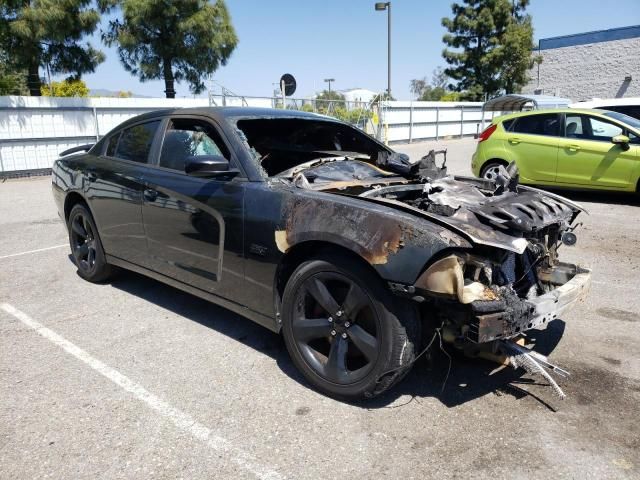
[231,239]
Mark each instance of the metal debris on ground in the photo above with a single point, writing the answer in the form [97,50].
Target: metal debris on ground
[533,363]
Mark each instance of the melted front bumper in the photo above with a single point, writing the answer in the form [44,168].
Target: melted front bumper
[573,283]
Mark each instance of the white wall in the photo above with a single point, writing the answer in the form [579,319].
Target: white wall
[594,70]
[34,130]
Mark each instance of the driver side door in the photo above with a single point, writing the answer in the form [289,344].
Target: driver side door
[194,225]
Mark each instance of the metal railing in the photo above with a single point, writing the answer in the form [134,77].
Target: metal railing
[34,130]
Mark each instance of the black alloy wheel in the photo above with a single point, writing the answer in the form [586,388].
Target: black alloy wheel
[335,327]
[347,334]
[83,243]
[86,247]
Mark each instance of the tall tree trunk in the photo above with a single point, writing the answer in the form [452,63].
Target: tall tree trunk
[33,80]
[168,79]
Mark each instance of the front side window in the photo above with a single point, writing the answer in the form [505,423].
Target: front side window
[573,126]
[585,127]
[604,131]
[112,144]
[135,142]
[186,138]
[542,124]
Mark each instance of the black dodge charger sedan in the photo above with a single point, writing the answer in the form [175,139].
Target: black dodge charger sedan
[312,228]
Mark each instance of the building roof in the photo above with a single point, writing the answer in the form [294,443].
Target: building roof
[597,36]
[516,102]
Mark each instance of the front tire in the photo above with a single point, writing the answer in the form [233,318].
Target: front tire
[345,332]
[86,247]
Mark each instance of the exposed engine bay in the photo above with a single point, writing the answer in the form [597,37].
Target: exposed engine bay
[485,300]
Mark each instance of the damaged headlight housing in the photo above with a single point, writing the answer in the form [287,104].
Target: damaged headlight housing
[447,277]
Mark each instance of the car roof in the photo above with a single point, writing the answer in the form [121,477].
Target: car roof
[608,102]
[228,112]
[590,111]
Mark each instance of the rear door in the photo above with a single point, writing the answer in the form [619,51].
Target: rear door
[532,141]
[194,226]
[115,190]
[588,157]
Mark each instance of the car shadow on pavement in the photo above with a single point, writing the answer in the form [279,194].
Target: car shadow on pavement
[201,311]
[453,383]
[455,380]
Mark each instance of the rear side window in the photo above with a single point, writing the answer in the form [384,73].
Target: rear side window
[135,142]
[190,138]
[543,124]
[507,124]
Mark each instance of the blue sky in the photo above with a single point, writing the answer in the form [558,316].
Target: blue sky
[347,40]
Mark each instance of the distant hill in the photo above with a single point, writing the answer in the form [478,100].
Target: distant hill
[103,92]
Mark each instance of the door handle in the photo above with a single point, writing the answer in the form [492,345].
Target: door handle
[91,176]
[514,140]
[150,194]
[573,148]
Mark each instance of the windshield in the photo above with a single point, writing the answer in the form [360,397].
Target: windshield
[621,117]
[287,146]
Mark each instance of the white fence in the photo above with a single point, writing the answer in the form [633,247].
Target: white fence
[413,121]
[34,130]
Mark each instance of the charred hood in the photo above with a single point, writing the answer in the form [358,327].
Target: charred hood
[500,214]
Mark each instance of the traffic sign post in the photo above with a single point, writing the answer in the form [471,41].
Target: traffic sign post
[287,87]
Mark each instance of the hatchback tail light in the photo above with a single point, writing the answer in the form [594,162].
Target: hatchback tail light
[486,133]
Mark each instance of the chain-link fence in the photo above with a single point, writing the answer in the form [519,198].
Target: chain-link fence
[364,115]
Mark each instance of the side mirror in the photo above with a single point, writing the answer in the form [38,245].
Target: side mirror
[208,166]
[621,140]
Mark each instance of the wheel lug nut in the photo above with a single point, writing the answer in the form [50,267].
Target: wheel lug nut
[344,335]
[330,319]
[333,333]
[347,324]
[339,313]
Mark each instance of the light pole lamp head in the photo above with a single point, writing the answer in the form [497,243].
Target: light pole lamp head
[380,6]
[329,79]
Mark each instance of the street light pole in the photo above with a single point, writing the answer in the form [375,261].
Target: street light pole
[329,80]
[380,6]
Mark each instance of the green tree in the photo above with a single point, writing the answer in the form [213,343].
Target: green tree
[12,81]
[330,95]
[490,44]
[417,86]
[173,40]
[385,97]
[48,33]
[71,87]
[452,97]
[433,91]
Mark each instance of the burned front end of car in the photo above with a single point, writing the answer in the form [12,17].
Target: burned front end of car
[512,279]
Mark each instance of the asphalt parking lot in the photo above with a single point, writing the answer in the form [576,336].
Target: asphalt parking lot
[134,379]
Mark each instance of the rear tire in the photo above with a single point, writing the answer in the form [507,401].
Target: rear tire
[345,332]
[86,247]
[491,168]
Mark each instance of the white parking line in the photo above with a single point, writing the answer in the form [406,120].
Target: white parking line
[180,419]
[34,251]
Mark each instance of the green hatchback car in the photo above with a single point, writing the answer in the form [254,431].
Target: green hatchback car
[565,147]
